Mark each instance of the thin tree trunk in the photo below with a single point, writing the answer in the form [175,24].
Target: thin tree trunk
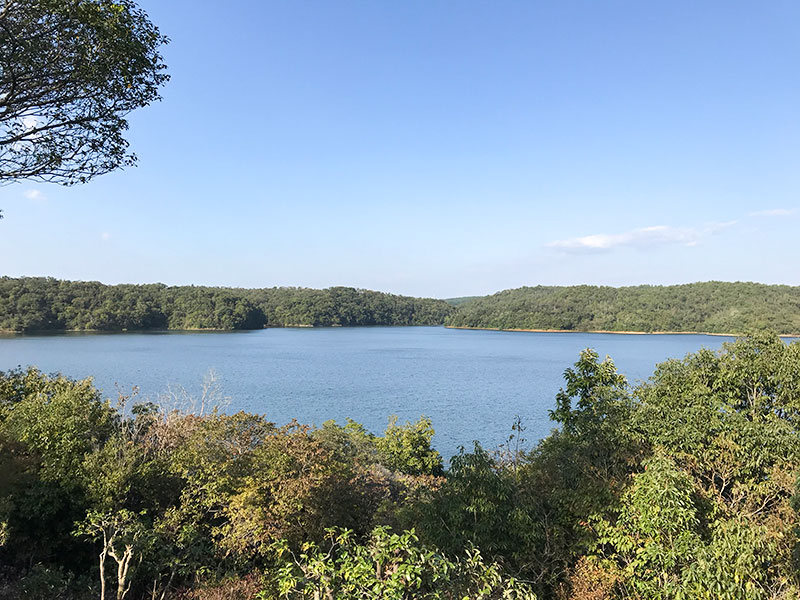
[123,563]
[103,570]
[169,583]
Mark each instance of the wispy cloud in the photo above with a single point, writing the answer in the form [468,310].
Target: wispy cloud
[34,196]
[105,236]
[646,237]
[774,212]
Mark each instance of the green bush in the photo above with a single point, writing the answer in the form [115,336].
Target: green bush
[388,566]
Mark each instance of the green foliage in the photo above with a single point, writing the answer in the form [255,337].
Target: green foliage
[48,425]
[403,448]
[46,583]
[462,300]
[732,419]
[61,423]
[683,487]
[711,516]
[123,536]
[680,488]
[389,566]
[481,502]
[656,534]
[714,307]
[128,472]
[349,443]
[173,496]
[407,448]
[294,491]
[662,544]
[70,73]
[46,304]
[600,395]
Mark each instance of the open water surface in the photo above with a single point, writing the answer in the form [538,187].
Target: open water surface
[472,384]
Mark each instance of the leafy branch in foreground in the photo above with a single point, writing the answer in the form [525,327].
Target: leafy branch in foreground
[70,72]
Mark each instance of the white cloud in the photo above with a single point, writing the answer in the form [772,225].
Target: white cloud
[774,212]
[34,196]
[657,235]
[105,236]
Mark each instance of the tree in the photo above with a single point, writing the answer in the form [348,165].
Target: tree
[122,535]
[48,425]
[70,72]
[407,448]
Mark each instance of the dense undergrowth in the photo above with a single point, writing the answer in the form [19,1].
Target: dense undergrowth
[682,487]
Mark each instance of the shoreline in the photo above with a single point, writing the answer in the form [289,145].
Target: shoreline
[733,335]
[198,329]
[153,330]
[11,332]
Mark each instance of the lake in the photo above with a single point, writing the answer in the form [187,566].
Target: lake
[472,384]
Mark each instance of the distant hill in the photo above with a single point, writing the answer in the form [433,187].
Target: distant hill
[47,304]
[712,307]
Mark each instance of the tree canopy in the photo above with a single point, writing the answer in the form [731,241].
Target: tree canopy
[70,72]
[712,307]
[46,304]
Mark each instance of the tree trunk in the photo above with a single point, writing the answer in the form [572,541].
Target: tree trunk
[103,575]
[103,555]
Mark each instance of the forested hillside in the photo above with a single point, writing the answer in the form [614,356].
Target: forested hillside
[713,307]
[683,487]
[461,300]
[46,304]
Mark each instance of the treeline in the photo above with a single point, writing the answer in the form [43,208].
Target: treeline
[713,307]
[682,487]
[47,304]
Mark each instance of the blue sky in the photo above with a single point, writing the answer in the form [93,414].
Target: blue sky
[444,149]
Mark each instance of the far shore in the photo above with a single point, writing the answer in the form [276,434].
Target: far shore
[783,335]
[150,330]
[304,326]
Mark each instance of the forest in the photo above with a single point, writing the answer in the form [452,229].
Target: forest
[708,307]
[684,486]
[31,304]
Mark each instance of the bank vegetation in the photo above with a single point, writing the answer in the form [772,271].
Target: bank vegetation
[684,486]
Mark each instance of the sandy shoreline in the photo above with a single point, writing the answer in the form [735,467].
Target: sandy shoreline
[786,335]
[200,330]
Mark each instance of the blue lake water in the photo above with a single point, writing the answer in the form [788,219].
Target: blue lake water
[472,384]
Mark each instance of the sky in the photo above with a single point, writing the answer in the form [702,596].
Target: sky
[444,149]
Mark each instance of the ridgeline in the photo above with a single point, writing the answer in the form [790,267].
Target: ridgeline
[708,307]
[31,304]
